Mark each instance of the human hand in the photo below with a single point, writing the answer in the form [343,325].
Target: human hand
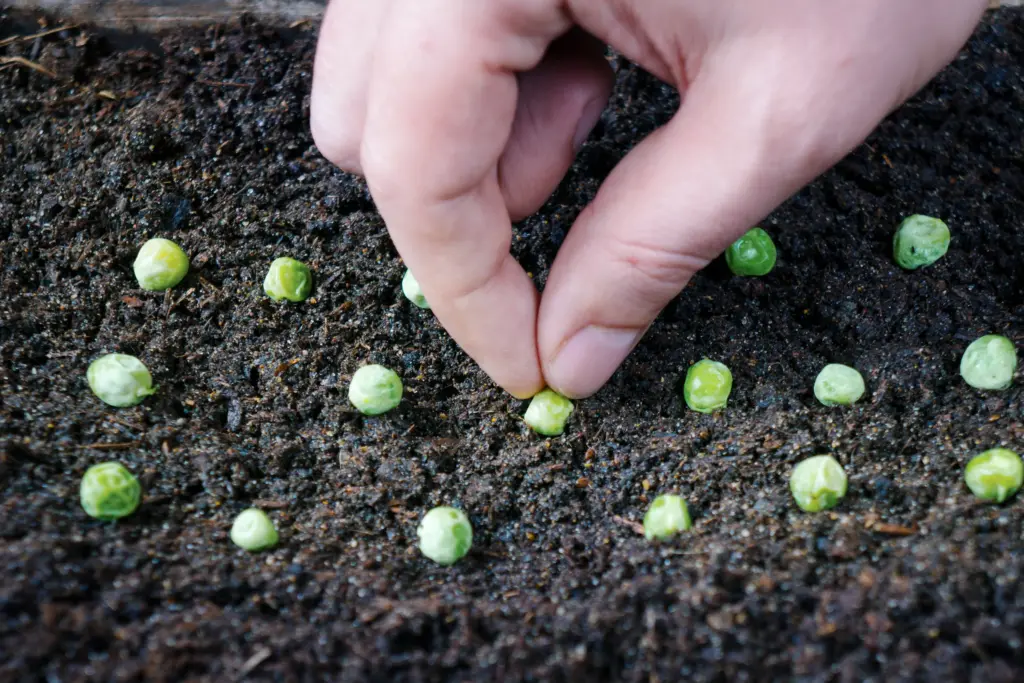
[464,115]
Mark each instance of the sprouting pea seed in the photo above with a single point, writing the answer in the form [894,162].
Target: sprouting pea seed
[752,254]
[920,241]
[667,516]
[412,291]
[818,483]
[838,384]
[995,475]
[109,491]
[253,530]
[119,380]
[548,412]
[707,386]
[160,264]
[375,389]
[288,279]
[445,535]
[989,362]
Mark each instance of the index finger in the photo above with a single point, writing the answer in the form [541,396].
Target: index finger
[440,111]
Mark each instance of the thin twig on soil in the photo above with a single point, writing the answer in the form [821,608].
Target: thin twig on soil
[14,39]
[31,65]
[116,446]
[629,524]
[250,665]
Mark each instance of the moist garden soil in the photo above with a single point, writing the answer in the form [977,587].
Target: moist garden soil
[202,136]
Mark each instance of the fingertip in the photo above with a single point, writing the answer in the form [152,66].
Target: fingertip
[586,361]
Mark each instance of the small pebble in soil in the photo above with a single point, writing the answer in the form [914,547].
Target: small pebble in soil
[707,386]
[994,475]
[375,389]
[838,385]
[818,483]
[920,241]
[445,535]
[253,530]
[412,291]
[989,362]
[109,491]
[667,516]
[753,254]
[548,412]
[160,264]
[288,279]
[119,380]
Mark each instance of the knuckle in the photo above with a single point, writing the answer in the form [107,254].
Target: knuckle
[655,267]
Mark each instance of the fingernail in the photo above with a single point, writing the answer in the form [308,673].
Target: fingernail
[588,119]
[589,359]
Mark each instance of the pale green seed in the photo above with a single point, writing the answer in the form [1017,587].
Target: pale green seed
[253,530]
[160,264]
[548,412]
[995,475]
[707,386]
[445,535]
[920,241]
[109,491]
[288,279]
[375,389]
[119,380]
[753,254]
[412,291]
[667,516]
[838,384]
[989,362]
[818,483]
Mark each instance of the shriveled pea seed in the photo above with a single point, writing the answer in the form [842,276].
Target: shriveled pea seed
[707,386]
[667,516]
[920,241]
[119,380]
[288,279]
[109,491]
[548,412]
[818,483]
[995,475]
[989,362]
[838,384]
[253,530]
[412,291]
[375,389]
[752,254]
[445,535]
[160,264]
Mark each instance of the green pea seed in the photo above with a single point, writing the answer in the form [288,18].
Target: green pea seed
[838,384]
[920,241]
[707,386]
[288,279]
[109,491]
[818,483]
[412,291]
[989,363]
[667,516]
[160,264]
[119,380]
[445,535]
[752,254]
[253,530]
[548,412]
[995,475]
[375,389]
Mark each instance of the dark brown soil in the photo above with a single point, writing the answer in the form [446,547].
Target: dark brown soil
[205,140]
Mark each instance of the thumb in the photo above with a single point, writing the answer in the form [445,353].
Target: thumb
[675,202]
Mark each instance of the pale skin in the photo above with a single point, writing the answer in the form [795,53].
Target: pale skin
[463,115]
